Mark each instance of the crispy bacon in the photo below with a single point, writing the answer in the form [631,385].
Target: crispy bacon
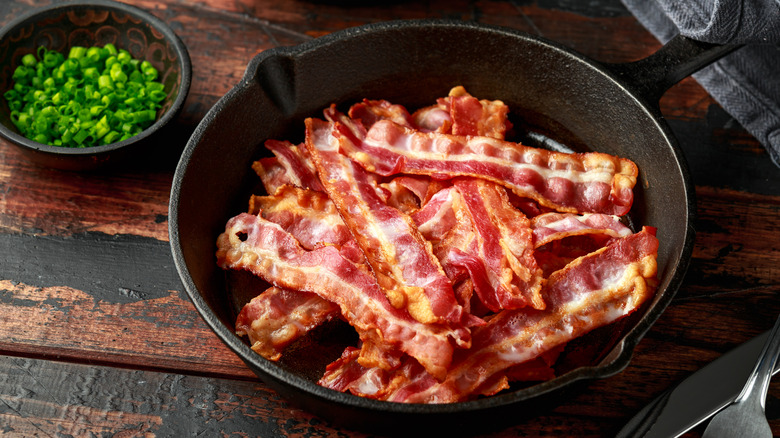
[504,248]
[475,230]
[554,226]
[471,116]
[460,113]
[277,317]
[463,261]
[369,112]
[423,187]
[272,174]
[576,183]
[560,238]
[265,249]
[297,163]
[348,374]
[593,291]
[310,217]
[400,257]
[400,196]
[434,118]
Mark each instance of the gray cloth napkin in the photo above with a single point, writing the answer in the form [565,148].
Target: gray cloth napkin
[745,83]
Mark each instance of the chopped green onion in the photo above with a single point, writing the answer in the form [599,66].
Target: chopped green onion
[91,97]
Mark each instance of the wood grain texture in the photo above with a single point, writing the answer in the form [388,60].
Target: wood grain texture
[99,338]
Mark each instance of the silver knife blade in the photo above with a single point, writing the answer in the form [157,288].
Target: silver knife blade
[699,396]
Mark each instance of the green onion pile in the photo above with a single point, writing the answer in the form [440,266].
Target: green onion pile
[93,97]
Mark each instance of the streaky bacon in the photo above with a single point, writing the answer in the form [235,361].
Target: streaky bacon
[474,230]
[554,226]
[591,292]
[262,247]
[414,227]
[504,248]
[272,174]
[576,183]
[434,118]
[277,317]
[310,217]
[296,161]
[348,374]
[560,238]
[400,196]
[441,214]
[471,116]
[369,112]
[400,257]
[460,113]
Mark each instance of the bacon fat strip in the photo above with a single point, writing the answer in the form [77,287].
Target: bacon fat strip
[262,247]
[277,317]
[400,257]
[554,226]
[575,183]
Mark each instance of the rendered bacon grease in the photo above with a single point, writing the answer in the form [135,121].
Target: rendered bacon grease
[464,261]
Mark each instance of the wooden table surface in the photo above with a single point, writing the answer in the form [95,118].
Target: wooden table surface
[98,338]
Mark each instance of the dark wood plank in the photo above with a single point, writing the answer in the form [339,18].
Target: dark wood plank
[47,398]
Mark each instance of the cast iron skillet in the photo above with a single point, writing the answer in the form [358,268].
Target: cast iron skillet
[559,97]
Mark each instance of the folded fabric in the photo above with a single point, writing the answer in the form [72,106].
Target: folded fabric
[745,83]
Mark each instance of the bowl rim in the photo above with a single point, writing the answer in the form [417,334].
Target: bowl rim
[609,366]
[179,47]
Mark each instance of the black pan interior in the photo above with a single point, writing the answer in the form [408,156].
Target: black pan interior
[552,92]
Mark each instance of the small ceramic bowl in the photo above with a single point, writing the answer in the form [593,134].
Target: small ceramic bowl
[95,23]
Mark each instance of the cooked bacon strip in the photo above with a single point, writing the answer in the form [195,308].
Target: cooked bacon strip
[371,111]
[348,374]
[504,248]
[576,183]
[277,317]
[272,174]
[310,217]
[400,257]
[595,290]
[435,118]
[475,230]
[554,226]
[296,161]
[265,249]
[471,116]
[440,215]
[560,238]
[400,196]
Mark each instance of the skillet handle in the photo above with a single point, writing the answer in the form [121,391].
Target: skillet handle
[679,58]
